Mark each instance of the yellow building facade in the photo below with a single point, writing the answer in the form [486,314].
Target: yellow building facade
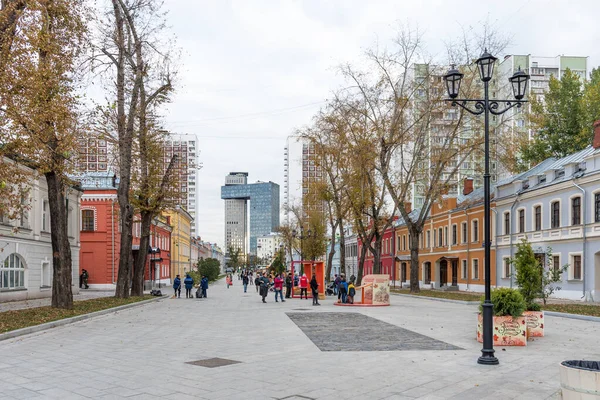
[181,222]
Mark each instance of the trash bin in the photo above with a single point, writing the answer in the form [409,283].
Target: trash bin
[580,380]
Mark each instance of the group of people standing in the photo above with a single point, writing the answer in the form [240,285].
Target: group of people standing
[264,282]
[188,282]
[344,290]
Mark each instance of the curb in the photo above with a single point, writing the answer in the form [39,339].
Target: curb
[437,299]
[572,316]
[67,321]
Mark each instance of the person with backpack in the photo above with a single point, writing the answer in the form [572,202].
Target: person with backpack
[314,286]
[177,286]
[189,284]
[204,285]
[343,289]
[351,292]
[304,287]
[245,281]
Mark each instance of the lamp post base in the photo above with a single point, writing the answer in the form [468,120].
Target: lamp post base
[487,358]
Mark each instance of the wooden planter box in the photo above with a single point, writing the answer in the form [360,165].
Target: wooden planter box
[508,331]
[535,323]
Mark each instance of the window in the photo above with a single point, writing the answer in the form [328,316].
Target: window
[464,232]
[537,210]
[556,264]
[521,221]
[12,273]
[506,223]
[427,273]
[428,239]
[445,236]
[464,269]
[404,242]
[555,216]
[475,231]
[597,207]
[440,238]
[475,269]
[506,269]
[575,267]
[576,211]
[454,234]
[87,220]
[24,214]
[46,281]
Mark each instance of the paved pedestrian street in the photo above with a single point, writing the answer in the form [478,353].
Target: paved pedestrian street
[232,346]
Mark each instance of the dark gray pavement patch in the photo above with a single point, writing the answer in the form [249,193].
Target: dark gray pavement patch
[332,331]
[213,362]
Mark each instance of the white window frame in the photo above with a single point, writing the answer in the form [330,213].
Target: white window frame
[6,269]
[464,270]
[541,206]
[560,208]
[475,271]
[571,209]
[454,239]
[45,215]
[524,220]
[473,239]
[572,268]
[45,274]
[505,272]
[506,232]
[559,255]
[465,237]
[593,206]
[428,239]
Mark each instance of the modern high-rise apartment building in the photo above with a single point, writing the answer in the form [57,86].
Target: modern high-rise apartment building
[186,172]
[300,170]
[95,155]
[264,211]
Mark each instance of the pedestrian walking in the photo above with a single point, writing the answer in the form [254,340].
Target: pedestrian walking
[314,286]
[189,284]
[84,279]
[251,278]
[288,286]
[343,290]
[204,285]
[245,282]
[264,287]
[304,287]
[278,287]
[177,286]
[257,282]
[336,284]
[228,281]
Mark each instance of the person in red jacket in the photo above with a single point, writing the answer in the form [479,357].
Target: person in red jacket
[278,287]
[304,286]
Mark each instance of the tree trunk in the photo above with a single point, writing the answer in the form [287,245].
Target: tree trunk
[330,255]
[342,247]
[377,256]
[139,263]
[361,264]
[414,261]
[62,279]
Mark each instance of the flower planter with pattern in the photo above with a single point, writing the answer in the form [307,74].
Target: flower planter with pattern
[508,331]
[535,323]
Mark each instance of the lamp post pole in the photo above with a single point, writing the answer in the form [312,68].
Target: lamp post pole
[484,106]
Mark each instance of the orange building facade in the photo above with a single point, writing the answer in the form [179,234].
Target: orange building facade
[451,252]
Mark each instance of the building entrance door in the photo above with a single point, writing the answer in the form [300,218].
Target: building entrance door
[443,273]
[454,273]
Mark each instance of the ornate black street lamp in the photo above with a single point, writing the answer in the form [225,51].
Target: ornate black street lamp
[518,81]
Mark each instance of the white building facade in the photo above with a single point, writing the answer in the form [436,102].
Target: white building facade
[26,249]
[267,246]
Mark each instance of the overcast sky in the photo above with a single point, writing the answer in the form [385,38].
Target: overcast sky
[253,71]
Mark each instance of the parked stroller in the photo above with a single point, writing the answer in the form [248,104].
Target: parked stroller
[329,289]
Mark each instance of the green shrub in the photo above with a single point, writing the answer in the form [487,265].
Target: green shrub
[210,267]
[506,301]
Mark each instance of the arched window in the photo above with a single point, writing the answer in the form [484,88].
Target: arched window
[12,272]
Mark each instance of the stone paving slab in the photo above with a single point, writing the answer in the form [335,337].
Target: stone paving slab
[336,331]
[142,353]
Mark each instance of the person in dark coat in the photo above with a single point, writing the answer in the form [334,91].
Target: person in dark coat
[189,284]
[314,286]
[264,286]
[257,282]
[204,285]
[177,286]
[288,286]
[245,281]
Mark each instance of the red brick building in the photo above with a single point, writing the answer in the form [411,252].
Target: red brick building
[101,236]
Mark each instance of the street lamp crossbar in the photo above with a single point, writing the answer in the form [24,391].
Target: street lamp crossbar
[493,105]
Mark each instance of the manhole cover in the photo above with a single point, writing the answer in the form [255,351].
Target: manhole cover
[213,362]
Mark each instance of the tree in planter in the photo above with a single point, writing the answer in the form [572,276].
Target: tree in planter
[533,280]
[507,302]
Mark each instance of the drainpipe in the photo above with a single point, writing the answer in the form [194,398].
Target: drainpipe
[112,233]
[512,272]
[584,236]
